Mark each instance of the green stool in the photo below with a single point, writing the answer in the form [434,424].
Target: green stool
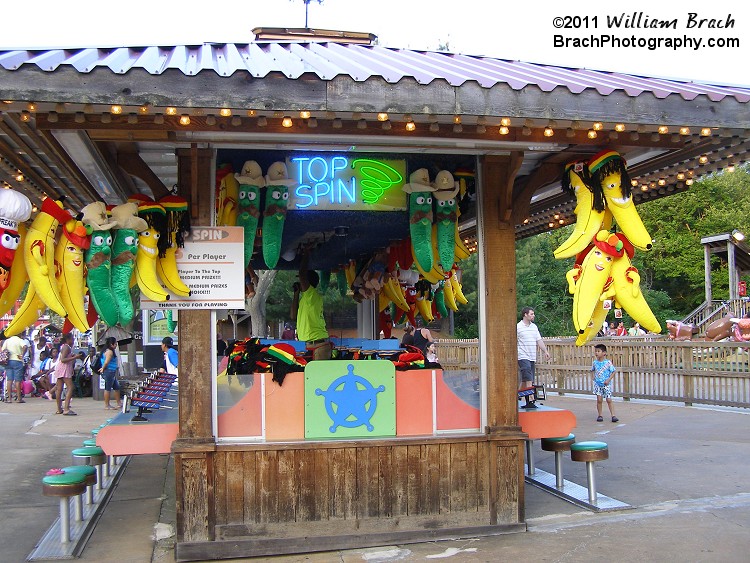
[91,455]
[590,452]
[89,472]
[89,442]
[64,486]
[558,445]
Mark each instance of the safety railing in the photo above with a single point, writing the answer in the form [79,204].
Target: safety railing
[710,373]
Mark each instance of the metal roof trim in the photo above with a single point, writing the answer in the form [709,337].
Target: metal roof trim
[328,60]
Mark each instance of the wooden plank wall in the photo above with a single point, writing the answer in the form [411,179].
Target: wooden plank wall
[397,486]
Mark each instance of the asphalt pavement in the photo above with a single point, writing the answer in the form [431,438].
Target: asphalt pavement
[682,469]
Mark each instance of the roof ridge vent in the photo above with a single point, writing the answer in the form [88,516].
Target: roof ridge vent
[309,34]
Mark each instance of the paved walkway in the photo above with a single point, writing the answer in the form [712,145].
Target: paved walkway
[683,469]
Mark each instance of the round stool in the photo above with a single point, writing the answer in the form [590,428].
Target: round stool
[558,445]
[65,485]
[590,452]
[89,472]
[89,442]
[91,455]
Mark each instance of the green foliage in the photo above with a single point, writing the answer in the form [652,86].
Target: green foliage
[466,319]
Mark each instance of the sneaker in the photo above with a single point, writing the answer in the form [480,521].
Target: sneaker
[599,419]
[615,419]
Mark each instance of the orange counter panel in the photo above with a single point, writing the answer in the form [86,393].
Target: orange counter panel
[285,407]
[414,403]
[140,438]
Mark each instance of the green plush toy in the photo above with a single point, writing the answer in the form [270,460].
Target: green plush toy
[98,262]
[446,190]
[274,215]
[124,249]
[420,216]
[251,180]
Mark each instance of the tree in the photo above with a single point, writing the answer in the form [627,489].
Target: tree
[256,305]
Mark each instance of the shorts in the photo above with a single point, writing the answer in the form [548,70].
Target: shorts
[320,350]
[15,370]
[110,380]
[604,391]
[526,370]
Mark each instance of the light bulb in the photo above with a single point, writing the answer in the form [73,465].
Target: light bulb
[115,110]
[505,122]
[387,125]
[598,126]
[703,159]
[158,119]
[410,126]
[705,132]
[684,130]
[458,128]
[434,127]
[382,116]
[337,123]
[663,129]
[689,182]
[525,131]
[185,119]
[236,121]
[132,118]
[210,120]
[312,123]
[662,182]
[304,114]
[106,117]
[250,113]
[286,122]
[225,112]
[262,121]
[456,119]
[362,124]
[504,130]
[680,176]
[171,111]
[591,134]
[549,132]
[620,127]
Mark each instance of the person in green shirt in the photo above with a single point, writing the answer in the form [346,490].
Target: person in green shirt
[307,311]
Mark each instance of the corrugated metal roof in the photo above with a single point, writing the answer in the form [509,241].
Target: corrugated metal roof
[361,62]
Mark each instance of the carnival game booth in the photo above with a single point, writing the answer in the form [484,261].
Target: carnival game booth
[107,124]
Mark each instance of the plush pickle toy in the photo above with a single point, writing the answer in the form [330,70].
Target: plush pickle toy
[251,181]
[274,215]
[420,217]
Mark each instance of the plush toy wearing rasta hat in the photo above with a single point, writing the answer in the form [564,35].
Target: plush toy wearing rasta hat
[152,244]
[610,176]
[277,197]
[591,215]
[420,216]
[178,225]
[251,180]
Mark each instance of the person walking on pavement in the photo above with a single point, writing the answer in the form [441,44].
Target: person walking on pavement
[109,372]
[64,374]
[529,338]
[15,370]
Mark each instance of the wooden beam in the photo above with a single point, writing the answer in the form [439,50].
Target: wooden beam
[131,162]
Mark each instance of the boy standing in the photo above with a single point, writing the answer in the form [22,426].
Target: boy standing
[603,372]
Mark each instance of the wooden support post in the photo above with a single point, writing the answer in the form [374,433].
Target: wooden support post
[195,442]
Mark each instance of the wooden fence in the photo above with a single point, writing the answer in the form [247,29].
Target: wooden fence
[709,373]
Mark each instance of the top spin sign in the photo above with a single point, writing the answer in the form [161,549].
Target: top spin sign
[347,183]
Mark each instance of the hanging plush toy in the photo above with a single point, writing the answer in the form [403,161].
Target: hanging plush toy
[178,226]
[609,174]
[590,210]
[594,277]
[124,251]
[627,292]
[420,217]
[99,262]
[446,217]
[227,195]
[15,208]
[151,245]
[39,253]
[277,197]
[251,180]
[75,238]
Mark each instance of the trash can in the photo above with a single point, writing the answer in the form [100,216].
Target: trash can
[97,387]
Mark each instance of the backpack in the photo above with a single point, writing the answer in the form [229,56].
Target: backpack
[96,365]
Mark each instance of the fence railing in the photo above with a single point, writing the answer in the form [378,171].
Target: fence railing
[710,373]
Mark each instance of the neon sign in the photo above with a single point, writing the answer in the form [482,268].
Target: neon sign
[338,182]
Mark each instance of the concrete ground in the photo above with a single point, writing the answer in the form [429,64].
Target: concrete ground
[683,469]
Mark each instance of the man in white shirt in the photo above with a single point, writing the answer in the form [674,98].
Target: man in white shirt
[528,338]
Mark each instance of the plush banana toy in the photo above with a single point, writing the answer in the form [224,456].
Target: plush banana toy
[446,218]
[178,226]
[15,208]
[589,209]
[228,193]
[594,277]
[627,292]
[39,253]
[597,320]
[99,262]
[150,244]
[30,310]
[420,217]
[69,272]
[274,214]
[124,251]
[251,180]
[609,174]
